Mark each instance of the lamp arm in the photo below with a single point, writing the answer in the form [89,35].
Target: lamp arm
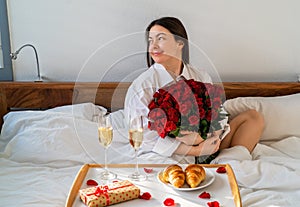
[14,56]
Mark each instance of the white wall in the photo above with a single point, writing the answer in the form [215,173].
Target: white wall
[94,40]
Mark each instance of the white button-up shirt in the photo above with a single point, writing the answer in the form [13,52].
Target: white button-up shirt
[140,94]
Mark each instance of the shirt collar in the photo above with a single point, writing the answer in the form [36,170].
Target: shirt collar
[185,72]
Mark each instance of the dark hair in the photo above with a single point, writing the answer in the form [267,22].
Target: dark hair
[175,26]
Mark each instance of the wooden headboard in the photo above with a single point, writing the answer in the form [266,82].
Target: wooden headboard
[44,95]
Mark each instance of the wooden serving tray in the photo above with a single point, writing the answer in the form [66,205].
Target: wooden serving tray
[224,188]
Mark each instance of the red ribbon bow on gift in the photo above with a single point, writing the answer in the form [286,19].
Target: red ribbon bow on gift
[101,190]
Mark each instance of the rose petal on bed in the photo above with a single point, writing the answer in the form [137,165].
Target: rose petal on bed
[213,204]
[221,170]
[148,170]
[204,195]
[91,182]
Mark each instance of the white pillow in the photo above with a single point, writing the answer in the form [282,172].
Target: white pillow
[281,114]
[83,110]
[58,139]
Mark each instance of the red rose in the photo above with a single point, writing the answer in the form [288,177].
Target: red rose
[156,95]
[152,105]
[163,134]
[175,92]
[208,115]
[199,102]
[166,105]
[160,122]
[185,108]
[208,103]
[161,131]
[199,88]
[170,126]
[161,92]
[214,114]
[167,97]
[188,96]
[173,115]
[202,113]
[156,113]
[194,120]
[216,102]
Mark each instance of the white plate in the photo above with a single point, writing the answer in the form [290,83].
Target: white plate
[209,179]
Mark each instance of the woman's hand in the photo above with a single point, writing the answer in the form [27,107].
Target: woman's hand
[190,138]
[208,147]
[205,147]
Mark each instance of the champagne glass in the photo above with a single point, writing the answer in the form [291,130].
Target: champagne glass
[136,139]
[105,135]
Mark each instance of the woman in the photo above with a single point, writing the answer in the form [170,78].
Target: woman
[168,61]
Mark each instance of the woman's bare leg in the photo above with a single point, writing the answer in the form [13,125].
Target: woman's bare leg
[245,130]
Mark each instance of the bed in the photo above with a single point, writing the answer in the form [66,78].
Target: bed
[48,132]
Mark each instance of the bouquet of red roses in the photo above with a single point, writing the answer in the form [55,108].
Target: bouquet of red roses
[186,105]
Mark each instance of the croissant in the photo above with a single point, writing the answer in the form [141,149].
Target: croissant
[195,174]
[174,175]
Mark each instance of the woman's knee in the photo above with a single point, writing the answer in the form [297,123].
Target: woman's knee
[257,117]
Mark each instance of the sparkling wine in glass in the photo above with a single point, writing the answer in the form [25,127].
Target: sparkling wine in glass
[136,134]
[105,135]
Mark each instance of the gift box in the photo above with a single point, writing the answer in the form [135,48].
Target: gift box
[105,195]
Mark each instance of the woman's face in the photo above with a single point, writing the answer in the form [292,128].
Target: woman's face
[163,47]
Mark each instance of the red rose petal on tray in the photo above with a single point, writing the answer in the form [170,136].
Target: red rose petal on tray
[169,202]
[204,195]
[91,182]
[148,170]
[221,170]
[213,204]
[145,196]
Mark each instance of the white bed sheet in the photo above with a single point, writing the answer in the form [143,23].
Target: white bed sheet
[26,184]
[41,152]
[270,176]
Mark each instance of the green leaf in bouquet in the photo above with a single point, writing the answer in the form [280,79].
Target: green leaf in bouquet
[174,133]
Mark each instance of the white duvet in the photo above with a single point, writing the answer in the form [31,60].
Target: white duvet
[42,151]
[270,176]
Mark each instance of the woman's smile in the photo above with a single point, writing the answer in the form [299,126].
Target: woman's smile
[156,53]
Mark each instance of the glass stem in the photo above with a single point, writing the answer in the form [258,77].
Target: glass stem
[136,164]
[105,160]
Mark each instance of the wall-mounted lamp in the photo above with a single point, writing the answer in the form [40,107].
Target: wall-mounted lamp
[14,56]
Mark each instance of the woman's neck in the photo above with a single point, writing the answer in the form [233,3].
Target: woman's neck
[175,67]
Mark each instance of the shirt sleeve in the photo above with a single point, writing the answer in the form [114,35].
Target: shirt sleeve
[224,124]
[137,99]
[166,146]
[135,102]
